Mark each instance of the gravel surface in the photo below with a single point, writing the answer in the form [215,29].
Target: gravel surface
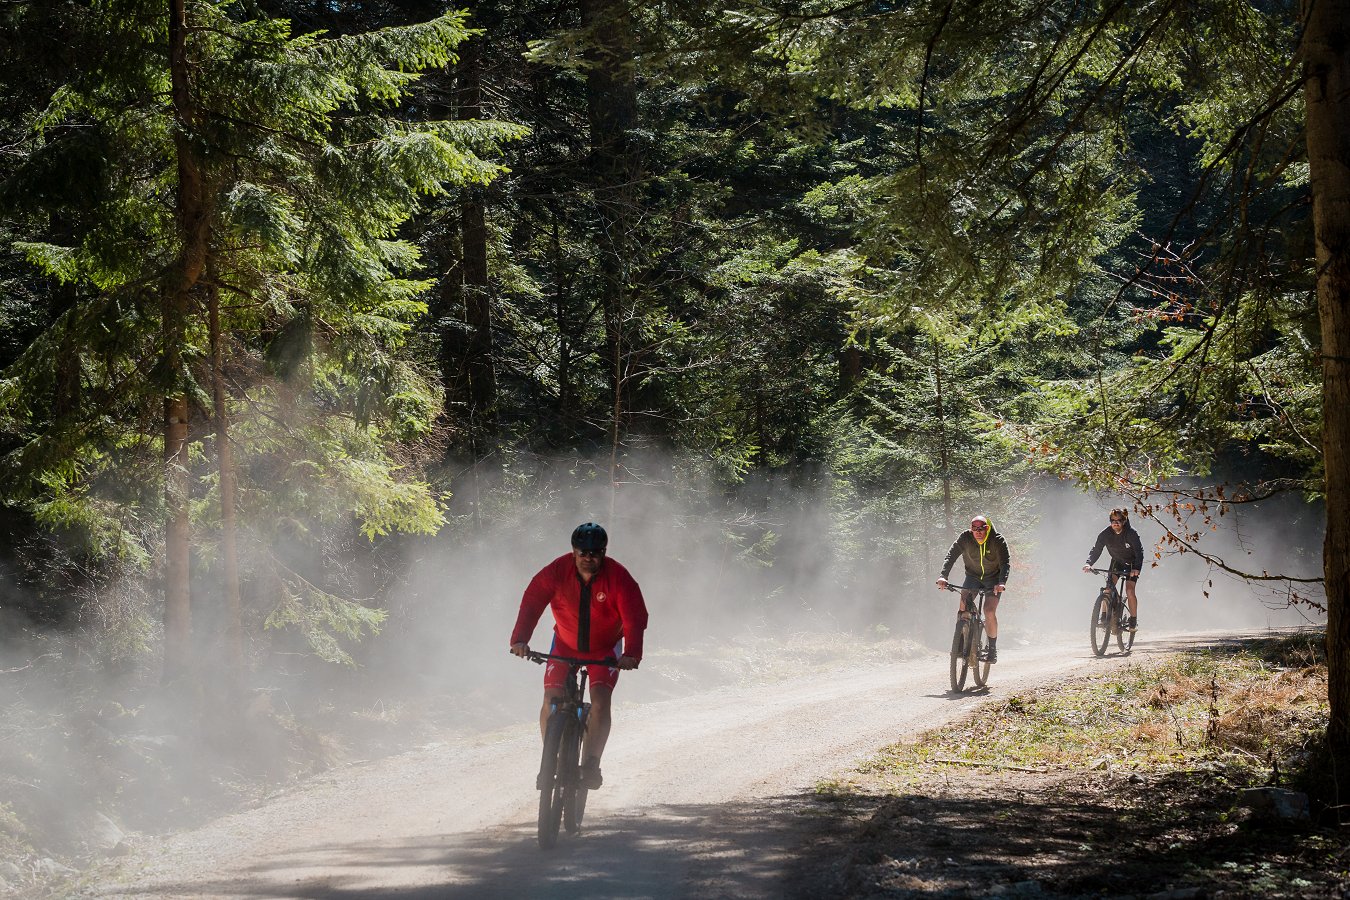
[706,795]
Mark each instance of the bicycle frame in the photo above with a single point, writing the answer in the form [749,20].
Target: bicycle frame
[968,642]
[1110,612]
[562,795]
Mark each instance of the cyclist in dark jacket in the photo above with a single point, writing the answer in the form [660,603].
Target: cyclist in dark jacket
[984,553]
[1127,555]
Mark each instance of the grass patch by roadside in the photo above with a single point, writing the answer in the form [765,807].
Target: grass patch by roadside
[1130,782]
[1233,708]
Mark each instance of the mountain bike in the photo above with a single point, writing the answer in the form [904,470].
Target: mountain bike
[562,794]
[1110,614]
[969,644]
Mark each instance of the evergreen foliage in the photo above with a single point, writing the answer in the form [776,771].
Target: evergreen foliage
[903,255]
[310,173]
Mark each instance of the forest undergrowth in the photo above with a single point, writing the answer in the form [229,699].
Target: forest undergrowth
[1203,775]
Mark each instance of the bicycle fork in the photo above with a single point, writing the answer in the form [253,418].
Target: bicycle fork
[1114,614]
[574,731]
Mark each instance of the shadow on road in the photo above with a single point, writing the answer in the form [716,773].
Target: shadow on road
[958,833]
[669,851]
[993,833]
[1005,834]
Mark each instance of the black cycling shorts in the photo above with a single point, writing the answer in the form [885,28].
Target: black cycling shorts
[974,583]
[1123,569]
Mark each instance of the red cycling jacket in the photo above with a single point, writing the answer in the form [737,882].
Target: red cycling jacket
[614,607]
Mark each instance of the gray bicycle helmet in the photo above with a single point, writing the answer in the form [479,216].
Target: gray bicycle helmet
[589,536]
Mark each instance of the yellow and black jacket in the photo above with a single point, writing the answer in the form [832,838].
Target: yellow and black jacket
[982,560]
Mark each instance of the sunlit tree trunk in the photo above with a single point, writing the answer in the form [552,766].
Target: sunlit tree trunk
[1326,59]
[229,550]
[943,460]
[566,337]
[182,277]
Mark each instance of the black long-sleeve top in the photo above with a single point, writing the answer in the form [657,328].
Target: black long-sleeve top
[1125,548]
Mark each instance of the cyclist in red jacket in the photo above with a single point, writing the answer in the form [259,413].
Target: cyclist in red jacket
[598,611]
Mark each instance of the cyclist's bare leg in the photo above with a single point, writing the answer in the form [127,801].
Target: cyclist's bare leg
[991,615]
[597,725]
[963,610]
[1130,598]
[549,695]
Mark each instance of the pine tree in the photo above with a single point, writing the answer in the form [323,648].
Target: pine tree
[255,185]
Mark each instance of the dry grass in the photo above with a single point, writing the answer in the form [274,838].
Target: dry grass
[1215,707]
[1104,785]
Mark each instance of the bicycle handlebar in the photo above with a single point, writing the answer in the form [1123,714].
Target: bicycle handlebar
[541,658]
[951,587]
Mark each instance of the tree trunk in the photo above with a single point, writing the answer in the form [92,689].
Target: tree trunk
[944,461]
[1326,60]
[179,282]
[478,364]
[463,305]
[611,98]
[229,551]
[566,338]
[850,368]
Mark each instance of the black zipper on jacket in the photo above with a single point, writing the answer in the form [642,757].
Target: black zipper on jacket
[584,616]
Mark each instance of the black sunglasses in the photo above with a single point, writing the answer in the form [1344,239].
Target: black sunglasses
[1117,521]
[598,552]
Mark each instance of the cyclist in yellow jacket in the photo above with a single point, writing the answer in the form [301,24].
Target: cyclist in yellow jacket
[984,553]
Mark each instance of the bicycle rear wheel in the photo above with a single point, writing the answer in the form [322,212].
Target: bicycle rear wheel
[550,781]
[979,668]
[1101,623]
[960,663]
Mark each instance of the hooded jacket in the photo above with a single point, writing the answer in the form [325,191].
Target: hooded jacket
[982,561]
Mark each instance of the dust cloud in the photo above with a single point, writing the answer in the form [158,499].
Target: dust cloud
[764,581]
[768,571]
[1177,591]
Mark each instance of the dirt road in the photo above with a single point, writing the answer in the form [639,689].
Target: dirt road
[699,799]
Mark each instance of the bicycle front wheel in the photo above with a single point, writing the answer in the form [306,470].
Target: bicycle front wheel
[572,814]
[573,794]
[550,781]
[979,668]
[1101,623]
[1124,637]
[960,663]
